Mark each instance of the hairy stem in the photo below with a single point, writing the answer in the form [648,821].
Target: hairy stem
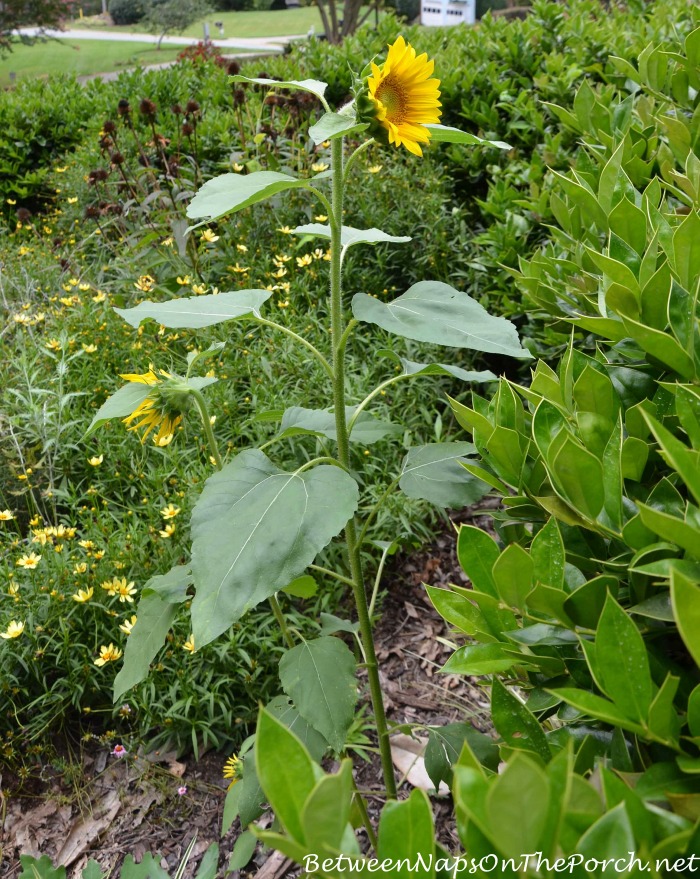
[358,588]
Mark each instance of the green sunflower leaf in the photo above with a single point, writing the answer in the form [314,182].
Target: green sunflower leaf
[256,528]
[195,312]
[315,86]
[350,236]
[231,192]
[446,134]
[431,311]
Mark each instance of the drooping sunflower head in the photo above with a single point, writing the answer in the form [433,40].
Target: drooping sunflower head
[405,96]
[162,409]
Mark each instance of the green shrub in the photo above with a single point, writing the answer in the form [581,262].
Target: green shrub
[126,11]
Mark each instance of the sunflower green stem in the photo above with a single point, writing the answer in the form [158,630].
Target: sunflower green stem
[358,587]
[281,622]
[206,424]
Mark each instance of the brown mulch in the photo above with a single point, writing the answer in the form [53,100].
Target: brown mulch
[132,805]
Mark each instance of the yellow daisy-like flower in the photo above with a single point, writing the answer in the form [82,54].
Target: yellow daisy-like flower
[83,595]
[108,654]
[405,96]
[153,412]
[96,460]
[6,515]
[125,591]
[232,769]
[128,625]
[168,531]
[89,349]
[189,644]
[28,561]
[145,283]
[14,630]
[170,511]
[53,345]
[209,236]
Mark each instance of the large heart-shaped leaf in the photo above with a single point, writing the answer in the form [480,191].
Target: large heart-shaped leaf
[194,312]
[254,529]
[321,422]
[315,86]
[320,677]
[431,311]
[350,235]
[434,473]
[231,192]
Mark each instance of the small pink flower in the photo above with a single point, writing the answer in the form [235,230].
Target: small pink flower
[181,791]
[119,751]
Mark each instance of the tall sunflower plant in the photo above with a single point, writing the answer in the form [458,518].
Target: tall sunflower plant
[257,529]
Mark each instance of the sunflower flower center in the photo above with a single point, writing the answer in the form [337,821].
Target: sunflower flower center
[393,96]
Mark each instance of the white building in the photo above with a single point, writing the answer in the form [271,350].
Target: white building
[439,13]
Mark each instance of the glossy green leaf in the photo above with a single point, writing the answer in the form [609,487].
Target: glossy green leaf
[456,609]
[256,528]
[513,575]
[660,346]
[519,801]
[623,662]
[547,553]
[480,659]
[232,192]
[431,311]
[326,812]
[195,312]
[477,552]
[286,772]
[596,707]
[320,678]
[685,599]
[579,475]
[406,831]
[610,837]
[671,528]
[433,473]
[517,725]
[684,461]
[686,251]
[663,720]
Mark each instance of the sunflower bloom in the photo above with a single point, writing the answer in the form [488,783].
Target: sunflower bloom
[405,97]
[233,769]
[108,654]
[14,630]
[153,413]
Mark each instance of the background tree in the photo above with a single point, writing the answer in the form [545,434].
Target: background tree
[42,14]
[173,16]
[342,19]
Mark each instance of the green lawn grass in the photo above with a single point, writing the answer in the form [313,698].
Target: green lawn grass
[81,57]
[278,23]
